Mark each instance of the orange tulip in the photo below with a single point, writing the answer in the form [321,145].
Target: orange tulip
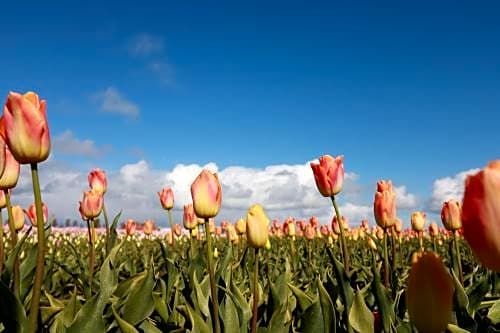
[207,194]
[177,230]
[481,215]
[166,198]
[257,226]
[91,205]
[10,174]
[189,218]
[433,229]
[329,174]
[148,227]
[130,226]
[25,127]
[97,181]
[418,221]
[429,280]
[451,215]
[384,206]
[31,213]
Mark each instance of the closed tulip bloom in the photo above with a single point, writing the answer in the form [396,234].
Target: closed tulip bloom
[10,174]
[418,221]
[18,217]
[130,227]
[335,224]
[166,198]
[26,128]
[433,229]
[481,215]
[177,230]
[371,243]
[231,233]
[97,181]
[309,232]
[206,192]
[289,227]
[241,226]
[257,226]
[3,200]
[384,205]
[329,174]
[3,146]
[451,215]
[429,293]
[31,213]
[189,219]
[148,227]
[91,205]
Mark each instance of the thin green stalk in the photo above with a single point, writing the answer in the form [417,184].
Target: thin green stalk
[211,273]
[434,245]
[40,255]
[90,226]
[255,291]
[393,245]
[13,241]
[421,240]
[191,238]
[1,242]
[106,222]
[458,259]
[170,221]
[345,253]
[386,261]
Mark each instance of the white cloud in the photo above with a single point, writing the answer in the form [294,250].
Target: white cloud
[112,101]
[145,45]
[448,188]
[283,190]
[67,143]
[405,200]
[163,70]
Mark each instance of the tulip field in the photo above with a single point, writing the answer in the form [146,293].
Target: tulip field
[256,274]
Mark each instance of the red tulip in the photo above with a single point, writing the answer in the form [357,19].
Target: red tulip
[31,213]
[329,174]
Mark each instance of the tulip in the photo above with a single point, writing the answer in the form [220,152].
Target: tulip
[3,199]
[433,229]
[231,233]
[189,218]
[257,227]
[3,146]
[451,215]
[289,227]
[31,213]
[25,127]
[166,198]
[207,194]
[97,181]
[10,175]
[91,205]
[177,230]
[329,174]
[148,227]
[481,215]
[130,226]
[309,232]
[429,280]
[384,206]
[418,221]
[313,221]
[241,226]
[18,217]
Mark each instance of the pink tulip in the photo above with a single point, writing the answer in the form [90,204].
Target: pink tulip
[329,174]
[206,192]
[97,181]
[166,198]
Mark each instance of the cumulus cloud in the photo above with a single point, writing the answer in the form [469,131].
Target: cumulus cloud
[405,200]
[284,190]
[67,143]
[448,188]
[112,101]
[145,45]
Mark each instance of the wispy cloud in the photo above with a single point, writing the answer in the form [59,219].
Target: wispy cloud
[112,101]
[448,188]
[67,143]
[163,70]
[145,45]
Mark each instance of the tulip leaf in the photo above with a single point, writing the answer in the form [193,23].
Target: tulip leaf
[140,304]
[304,300]
[124,326]
[230,315]
[476,293]
[12,314]
[320,316]
[455,329]
[360,316]
[494,313]
[198,325]
[113,235]
[383,300]
[202,291]
[70,310]
[27,270]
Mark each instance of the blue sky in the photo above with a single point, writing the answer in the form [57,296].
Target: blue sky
[405,91]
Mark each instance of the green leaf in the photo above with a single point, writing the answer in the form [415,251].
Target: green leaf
[197,323]
[494,313]
[89,318]
[140,303]
[230,316]
[455,329]
[27,271]
[346,291]
[383,301]
[71,309]
[202,292]
[241,304]
[147,327]
[12,314]
[327,308]
[113,235]
[477,292]
[124,326]
[305,301]
[360,316]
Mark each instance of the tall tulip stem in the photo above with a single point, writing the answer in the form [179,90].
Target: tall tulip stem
[13,242]
[1,242]
[255,291]
[90,226]
[345,253]
[40,256]
[171,223]
[211,273]
[386,261]
[106,222]
[458,258]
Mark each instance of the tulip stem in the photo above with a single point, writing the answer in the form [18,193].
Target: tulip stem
[13,241]
[345,254]
[90,226]
[255,291]
[106,222]
[40,255]
[386,261]
[211,273]
[1,243]
[170,221]
[393,246]
[459,261]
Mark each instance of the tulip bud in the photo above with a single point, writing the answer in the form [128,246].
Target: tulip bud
[3,199]
[207,194]
[216,253]
[231,233]
[177,230]
[18,217]
[309,232]
[384,206]
[257,226]
[3,146]
[91,205]
[433,229]
[169,237]
[189,218]
[481,215]
[25,127]
[10,174]
[429,280]
[130,227]
[418,221]
[290,228]
[97,181]
[371,243]
[241,226]
[451,215]
[31,213]
[166,198]
[268,245]
[148,227]
[329,174]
